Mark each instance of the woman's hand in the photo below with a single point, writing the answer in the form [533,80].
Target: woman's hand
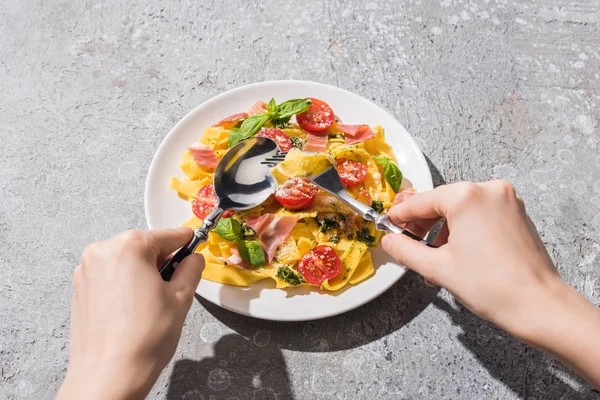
[492,259]
[125,320]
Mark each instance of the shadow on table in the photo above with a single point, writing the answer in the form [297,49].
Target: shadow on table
[436,176]
[528,372]
[372,321]
[240,368]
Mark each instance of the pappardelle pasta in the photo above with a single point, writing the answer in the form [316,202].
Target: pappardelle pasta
[300,235]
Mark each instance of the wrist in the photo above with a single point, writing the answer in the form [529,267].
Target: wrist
[566,325]
[107,380]
[544,310]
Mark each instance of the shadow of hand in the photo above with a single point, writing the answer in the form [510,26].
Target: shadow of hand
[527,371]
[240,368]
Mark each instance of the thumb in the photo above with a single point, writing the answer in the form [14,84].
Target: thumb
[188,274]
[414,255]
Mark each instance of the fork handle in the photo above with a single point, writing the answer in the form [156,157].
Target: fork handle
[384,223]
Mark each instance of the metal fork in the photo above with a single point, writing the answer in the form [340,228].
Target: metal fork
[274,160]
[330,181]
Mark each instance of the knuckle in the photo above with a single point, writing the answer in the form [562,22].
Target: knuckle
[88,253]
[133,238]
[467,191]
[505,188]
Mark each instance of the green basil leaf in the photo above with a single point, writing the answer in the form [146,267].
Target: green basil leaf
[229,229]
[393,175]
[252,252]
[241,246]
[291,107]
[272,108]
[249,127]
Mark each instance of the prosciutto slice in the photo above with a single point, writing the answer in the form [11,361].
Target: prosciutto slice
[350,130]
[316,143]
[272,230]
[203,155]
[229,122]
[364,133]
[236,261]
[257,108]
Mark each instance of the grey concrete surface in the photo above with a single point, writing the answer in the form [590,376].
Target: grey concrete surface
[490,89]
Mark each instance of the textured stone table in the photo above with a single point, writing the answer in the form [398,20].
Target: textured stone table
[490,89]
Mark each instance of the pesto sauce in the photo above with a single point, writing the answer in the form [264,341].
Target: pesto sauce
[377,205]
[364,235]
[289,276]
[327,223]
[297,142]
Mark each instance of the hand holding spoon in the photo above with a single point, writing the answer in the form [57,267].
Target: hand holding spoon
[242,181]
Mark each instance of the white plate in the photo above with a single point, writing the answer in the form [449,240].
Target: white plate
[165,209]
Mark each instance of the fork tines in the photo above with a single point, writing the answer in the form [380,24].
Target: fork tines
[274,160]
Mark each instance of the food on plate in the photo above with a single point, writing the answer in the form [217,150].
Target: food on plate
[301,235]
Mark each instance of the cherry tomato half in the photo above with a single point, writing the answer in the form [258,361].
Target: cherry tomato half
[319,264]
[283,141]
[296,193]
[206,201]
[317,118]
[351,172]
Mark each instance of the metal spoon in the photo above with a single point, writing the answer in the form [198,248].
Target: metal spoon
[242,180]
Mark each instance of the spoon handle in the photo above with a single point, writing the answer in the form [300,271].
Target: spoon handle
[200,236]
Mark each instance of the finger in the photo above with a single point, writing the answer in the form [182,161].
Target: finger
[166,241]
[422,206]
[74,342]
[421,227]
[521,203]
[428,282]
[442,237]
[414,255]
[188,274]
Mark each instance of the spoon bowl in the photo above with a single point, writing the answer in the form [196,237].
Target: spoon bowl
[242,181]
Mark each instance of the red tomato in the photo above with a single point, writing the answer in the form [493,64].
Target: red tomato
[319,264]
[296,193]
[206,201]
[317,118]
[283,141]
[351,172]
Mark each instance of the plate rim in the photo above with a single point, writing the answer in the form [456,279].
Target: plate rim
[192,114]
